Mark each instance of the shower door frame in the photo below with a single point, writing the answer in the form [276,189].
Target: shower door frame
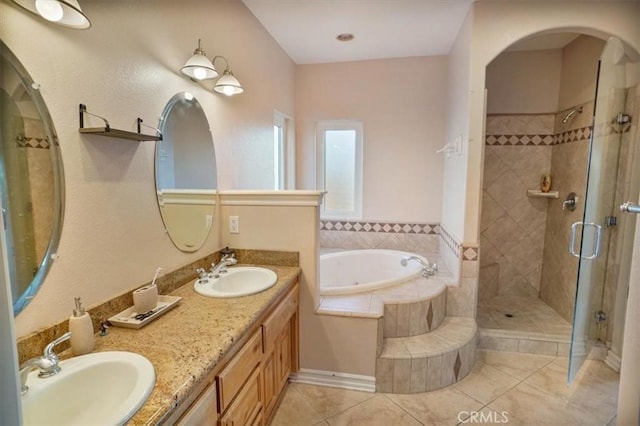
[602,178]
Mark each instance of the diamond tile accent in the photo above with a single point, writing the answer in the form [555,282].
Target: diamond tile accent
[470,253]
[456,366]
[39,143]
[430,316]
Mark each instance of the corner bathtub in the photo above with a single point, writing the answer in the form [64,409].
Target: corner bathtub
[357,271]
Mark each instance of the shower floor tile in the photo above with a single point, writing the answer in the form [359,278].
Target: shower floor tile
[522,314]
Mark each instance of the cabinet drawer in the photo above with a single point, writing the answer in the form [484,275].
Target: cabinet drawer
[279,318]
[247,408]
[231,379]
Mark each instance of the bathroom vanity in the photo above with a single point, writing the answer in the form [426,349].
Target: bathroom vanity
[218,361]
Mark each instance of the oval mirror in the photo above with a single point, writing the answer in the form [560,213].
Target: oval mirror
[186,172]
[30,181]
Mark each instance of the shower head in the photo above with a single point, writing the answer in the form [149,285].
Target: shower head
[578,110]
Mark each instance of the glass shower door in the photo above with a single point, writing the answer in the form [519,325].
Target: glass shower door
[599,203]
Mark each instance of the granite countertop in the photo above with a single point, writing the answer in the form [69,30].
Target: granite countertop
[187,343]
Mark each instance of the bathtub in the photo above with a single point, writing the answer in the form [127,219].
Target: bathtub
[357,271]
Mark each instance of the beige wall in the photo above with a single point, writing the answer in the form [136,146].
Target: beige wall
[526,82]
[127,66]
[454,185]
[400,102]
[579,71]
[290,222]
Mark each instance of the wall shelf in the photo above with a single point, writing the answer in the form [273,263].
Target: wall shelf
[536,193]
[107,130]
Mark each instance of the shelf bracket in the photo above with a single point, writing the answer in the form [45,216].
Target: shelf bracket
[83,111]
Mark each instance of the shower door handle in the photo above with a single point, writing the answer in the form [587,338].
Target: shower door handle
[629,207]
[572,240]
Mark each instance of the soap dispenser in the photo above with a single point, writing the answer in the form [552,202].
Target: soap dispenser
[81,328]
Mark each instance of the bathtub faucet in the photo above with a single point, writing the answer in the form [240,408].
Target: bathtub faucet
[427,269]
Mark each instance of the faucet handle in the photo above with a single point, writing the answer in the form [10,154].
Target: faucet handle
[203,275]
[434,266]
[48,350]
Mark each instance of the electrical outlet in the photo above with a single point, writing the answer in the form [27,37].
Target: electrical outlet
[208,220]
[234,224]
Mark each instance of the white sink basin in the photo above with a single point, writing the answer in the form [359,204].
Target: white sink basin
[239,281]
[102,388]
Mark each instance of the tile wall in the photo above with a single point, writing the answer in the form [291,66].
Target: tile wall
[420,238]
[517,153]
[569,171]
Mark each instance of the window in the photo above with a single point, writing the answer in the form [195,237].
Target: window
[340,168]
[283,154]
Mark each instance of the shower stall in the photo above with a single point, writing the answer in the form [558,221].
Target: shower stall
[554,262]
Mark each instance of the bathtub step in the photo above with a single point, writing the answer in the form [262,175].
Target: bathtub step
[428,361]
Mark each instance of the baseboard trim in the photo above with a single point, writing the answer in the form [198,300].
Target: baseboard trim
[334,379]
[613,361]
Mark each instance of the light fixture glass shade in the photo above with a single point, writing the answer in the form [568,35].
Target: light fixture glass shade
[66,13]
[228,84]
[199,67]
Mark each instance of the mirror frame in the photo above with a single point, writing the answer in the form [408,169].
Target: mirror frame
[50,254]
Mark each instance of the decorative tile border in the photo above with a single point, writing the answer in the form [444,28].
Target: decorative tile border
[575,135]
[519,140]
[383,227]
[568,136]
[450,241]
[26,142]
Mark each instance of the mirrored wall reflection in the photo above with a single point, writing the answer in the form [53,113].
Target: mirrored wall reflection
[30,181]
[186,171]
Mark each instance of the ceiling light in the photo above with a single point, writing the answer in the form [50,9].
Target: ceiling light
[345,37]
[66,13]
[198,66]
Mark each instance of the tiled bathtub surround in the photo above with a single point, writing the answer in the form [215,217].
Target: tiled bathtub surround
[420,238]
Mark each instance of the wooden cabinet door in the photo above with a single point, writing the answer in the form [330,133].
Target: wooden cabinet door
[284,356]
[246,409]
[269,376]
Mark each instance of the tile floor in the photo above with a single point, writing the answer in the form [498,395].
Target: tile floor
[527,315]
[503,388]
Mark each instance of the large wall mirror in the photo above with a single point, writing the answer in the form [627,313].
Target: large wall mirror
[186,172]
[31,177]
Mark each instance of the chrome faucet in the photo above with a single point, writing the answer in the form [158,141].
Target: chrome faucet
[428,270]
[203,276]
[48,363]
[228,259]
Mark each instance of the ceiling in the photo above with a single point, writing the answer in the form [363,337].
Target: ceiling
[307,29]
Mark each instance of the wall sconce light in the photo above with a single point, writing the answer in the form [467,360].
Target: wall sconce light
[66,13]
[198,67]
